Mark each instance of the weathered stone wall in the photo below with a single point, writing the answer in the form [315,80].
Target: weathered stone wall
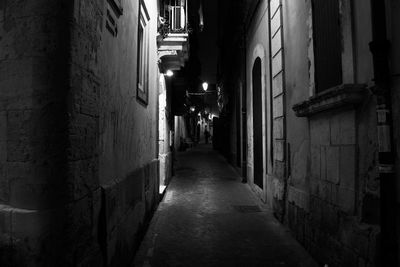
[78,152]
[115,135]
[333,199]
[394,27]
[34,187]
[257,46]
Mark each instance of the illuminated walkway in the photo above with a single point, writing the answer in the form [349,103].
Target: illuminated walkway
[209,218]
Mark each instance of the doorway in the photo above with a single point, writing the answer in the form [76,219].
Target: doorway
[257,123]
[163,142]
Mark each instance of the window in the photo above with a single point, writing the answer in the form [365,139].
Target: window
[327,44]
[143,54]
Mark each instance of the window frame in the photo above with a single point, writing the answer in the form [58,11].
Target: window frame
[346,44]
[318,69]
[142,85]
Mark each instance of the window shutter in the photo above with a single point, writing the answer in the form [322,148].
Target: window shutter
[327,44]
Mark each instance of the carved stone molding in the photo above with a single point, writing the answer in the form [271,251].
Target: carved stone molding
[339,96]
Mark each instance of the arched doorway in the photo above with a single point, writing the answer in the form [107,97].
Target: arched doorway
[257,123]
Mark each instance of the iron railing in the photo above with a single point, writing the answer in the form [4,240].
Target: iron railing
[173,17]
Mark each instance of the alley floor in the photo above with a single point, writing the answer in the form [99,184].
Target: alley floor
[209,218]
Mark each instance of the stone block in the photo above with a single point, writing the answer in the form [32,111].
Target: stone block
[347,200]
[31,36]
[134,187]
[277,63]
[315,187]
[3,151]
[347,167]
[83,138]
[3,127]
[274,6]
[20,124]
[315,162]
[28,8]
[19,151]
[277,85]
[330,220]
[276,43]
[370,209]
[279,168]
[30,228]
[279,150]
[5,223]
[299,198]
[316,206]
[343,128]
[277,107]
[332,164]
[26,84]
[84,177]
[323,166]
[276,21]
[320,130]
[278,128]
[4,184]
[325,191]
[86,48]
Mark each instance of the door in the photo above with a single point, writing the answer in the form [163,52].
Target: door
[257,123]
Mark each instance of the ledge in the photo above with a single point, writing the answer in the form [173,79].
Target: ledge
[339,96]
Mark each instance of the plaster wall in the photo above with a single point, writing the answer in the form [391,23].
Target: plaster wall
[297,39]
[257,46]
[127,141]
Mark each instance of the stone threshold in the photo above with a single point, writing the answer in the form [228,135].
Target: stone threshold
[333,98]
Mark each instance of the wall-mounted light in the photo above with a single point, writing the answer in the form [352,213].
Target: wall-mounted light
[205,86]
[192,109]
[169,73]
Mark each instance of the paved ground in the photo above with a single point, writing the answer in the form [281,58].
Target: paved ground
[209,218]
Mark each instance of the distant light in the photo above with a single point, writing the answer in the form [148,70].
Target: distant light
[169,73]
[205,86]
[192,109]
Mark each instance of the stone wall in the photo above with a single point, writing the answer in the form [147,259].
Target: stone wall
[393,9]
[257,46]
[123,143]
[78,153]
[333,193]
[35,190]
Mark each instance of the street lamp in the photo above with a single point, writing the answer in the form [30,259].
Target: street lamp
[169,73]
[205,86]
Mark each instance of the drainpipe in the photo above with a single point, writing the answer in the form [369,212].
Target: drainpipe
[379,48]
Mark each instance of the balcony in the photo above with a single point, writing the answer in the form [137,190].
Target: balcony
[173,46]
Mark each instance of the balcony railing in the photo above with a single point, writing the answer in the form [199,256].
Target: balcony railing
[173,17]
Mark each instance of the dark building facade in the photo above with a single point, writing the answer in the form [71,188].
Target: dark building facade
[301,85]
[83,108]
[96,95]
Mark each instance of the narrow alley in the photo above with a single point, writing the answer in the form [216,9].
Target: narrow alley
[199,133]
[209,218]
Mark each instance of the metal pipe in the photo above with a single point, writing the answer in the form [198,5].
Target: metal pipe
[379,48]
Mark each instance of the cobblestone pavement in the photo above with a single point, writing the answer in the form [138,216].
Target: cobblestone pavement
[209,218]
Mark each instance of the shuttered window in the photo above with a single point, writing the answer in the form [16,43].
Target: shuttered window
[327,44]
